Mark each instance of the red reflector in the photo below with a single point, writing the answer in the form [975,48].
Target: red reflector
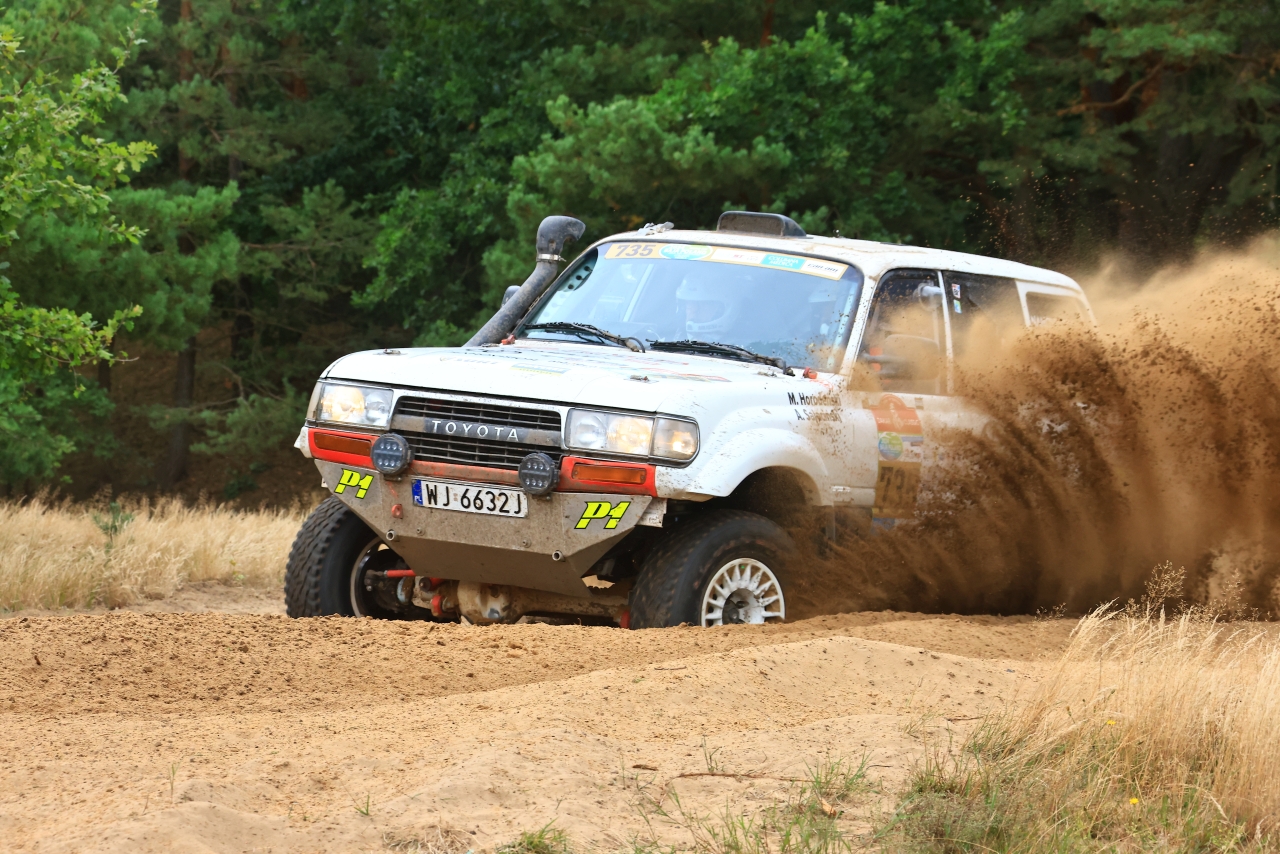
[341,444]
[608,474]
[400,573]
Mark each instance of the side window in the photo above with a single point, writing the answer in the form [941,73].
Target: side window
[905,342]
[1049,308]
[985,313]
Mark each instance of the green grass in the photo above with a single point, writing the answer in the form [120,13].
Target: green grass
[546,840]
[989,800]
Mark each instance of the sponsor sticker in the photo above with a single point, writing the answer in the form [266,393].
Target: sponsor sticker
[786,262]
[684,252]
[353,478]
[609,511]
[890,446]
[900,442]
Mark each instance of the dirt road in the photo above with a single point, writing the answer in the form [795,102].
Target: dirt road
[223,733]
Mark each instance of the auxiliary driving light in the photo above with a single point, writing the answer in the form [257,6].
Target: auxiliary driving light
[391,454]
[538,474]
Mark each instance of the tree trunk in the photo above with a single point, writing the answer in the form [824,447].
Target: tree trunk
[184,386]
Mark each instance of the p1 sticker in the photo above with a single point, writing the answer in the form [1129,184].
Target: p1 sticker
[353,478]
[603,510]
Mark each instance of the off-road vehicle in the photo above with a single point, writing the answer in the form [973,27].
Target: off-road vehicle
[636,438]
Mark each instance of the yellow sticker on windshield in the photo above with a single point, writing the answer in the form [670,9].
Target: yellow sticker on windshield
[726,255]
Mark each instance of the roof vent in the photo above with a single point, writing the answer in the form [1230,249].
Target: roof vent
[765,224]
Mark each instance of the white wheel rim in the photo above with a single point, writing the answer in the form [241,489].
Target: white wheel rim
[743,591]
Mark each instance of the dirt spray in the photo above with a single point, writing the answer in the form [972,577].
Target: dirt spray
[1104,453]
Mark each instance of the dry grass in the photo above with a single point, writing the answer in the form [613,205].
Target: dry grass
[1150,733]
[57,555]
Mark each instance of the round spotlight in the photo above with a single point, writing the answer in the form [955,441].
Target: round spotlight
[391,454]
[538,474]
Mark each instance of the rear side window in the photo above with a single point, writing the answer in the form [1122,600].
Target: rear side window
[985,312]
[1044,309]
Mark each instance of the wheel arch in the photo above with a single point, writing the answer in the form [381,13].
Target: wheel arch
[781,452]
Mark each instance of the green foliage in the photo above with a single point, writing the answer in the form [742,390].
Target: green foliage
[171,271]
[255,424]
[113,523]
[49,162]
[318,176]
[43,420]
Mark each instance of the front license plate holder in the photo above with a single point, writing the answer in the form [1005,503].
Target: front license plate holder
[483,498]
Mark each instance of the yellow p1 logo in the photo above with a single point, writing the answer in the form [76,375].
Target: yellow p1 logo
[353,478]
[601,510]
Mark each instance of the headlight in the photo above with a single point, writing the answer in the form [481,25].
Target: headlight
[355,405]
[675,439]
[634,435]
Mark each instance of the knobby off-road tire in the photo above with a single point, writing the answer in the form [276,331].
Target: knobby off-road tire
[673,581]
[317,578]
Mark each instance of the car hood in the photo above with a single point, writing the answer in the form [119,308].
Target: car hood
[570,373]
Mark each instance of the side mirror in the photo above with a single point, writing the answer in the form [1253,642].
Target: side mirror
[509,293]
[907,357]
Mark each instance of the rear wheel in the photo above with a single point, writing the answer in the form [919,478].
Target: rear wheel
[337,566]
[727,567]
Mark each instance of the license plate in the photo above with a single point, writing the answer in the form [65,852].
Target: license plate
[470,498]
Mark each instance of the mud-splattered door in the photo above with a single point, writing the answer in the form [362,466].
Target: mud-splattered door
[900,383]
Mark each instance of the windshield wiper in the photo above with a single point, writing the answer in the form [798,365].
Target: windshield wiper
[711,348]
[582,330]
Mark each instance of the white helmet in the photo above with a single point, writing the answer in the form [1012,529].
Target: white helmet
[726,297]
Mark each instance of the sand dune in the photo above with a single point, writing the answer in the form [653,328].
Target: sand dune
[166,732]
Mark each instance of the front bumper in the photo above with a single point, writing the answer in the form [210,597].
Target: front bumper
[459,546]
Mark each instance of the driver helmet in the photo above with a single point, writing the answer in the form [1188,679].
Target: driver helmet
[710,307]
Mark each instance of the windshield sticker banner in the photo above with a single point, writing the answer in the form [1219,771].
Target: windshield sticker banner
[727,255]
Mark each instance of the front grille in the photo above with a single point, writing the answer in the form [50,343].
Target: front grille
[473,452]
[459,449]
[488,413]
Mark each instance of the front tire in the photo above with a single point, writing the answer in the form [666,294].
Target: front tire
[726,567]
[327,565]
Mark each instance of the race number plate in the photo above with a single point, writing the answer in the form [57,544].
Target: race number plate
[470,498]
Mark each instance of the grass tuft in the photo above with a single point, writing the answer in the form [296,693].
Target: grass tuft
[56,555]
[546,840]
[1149,733]
[434,840]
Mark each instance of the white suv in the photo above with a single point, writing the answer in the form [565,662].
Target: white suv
[637,439]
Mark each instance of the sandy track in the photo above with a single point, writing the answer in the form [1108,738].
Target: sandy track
[158,732]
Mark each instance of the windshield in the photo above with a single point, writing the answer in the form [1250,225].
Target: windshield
[788,307]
